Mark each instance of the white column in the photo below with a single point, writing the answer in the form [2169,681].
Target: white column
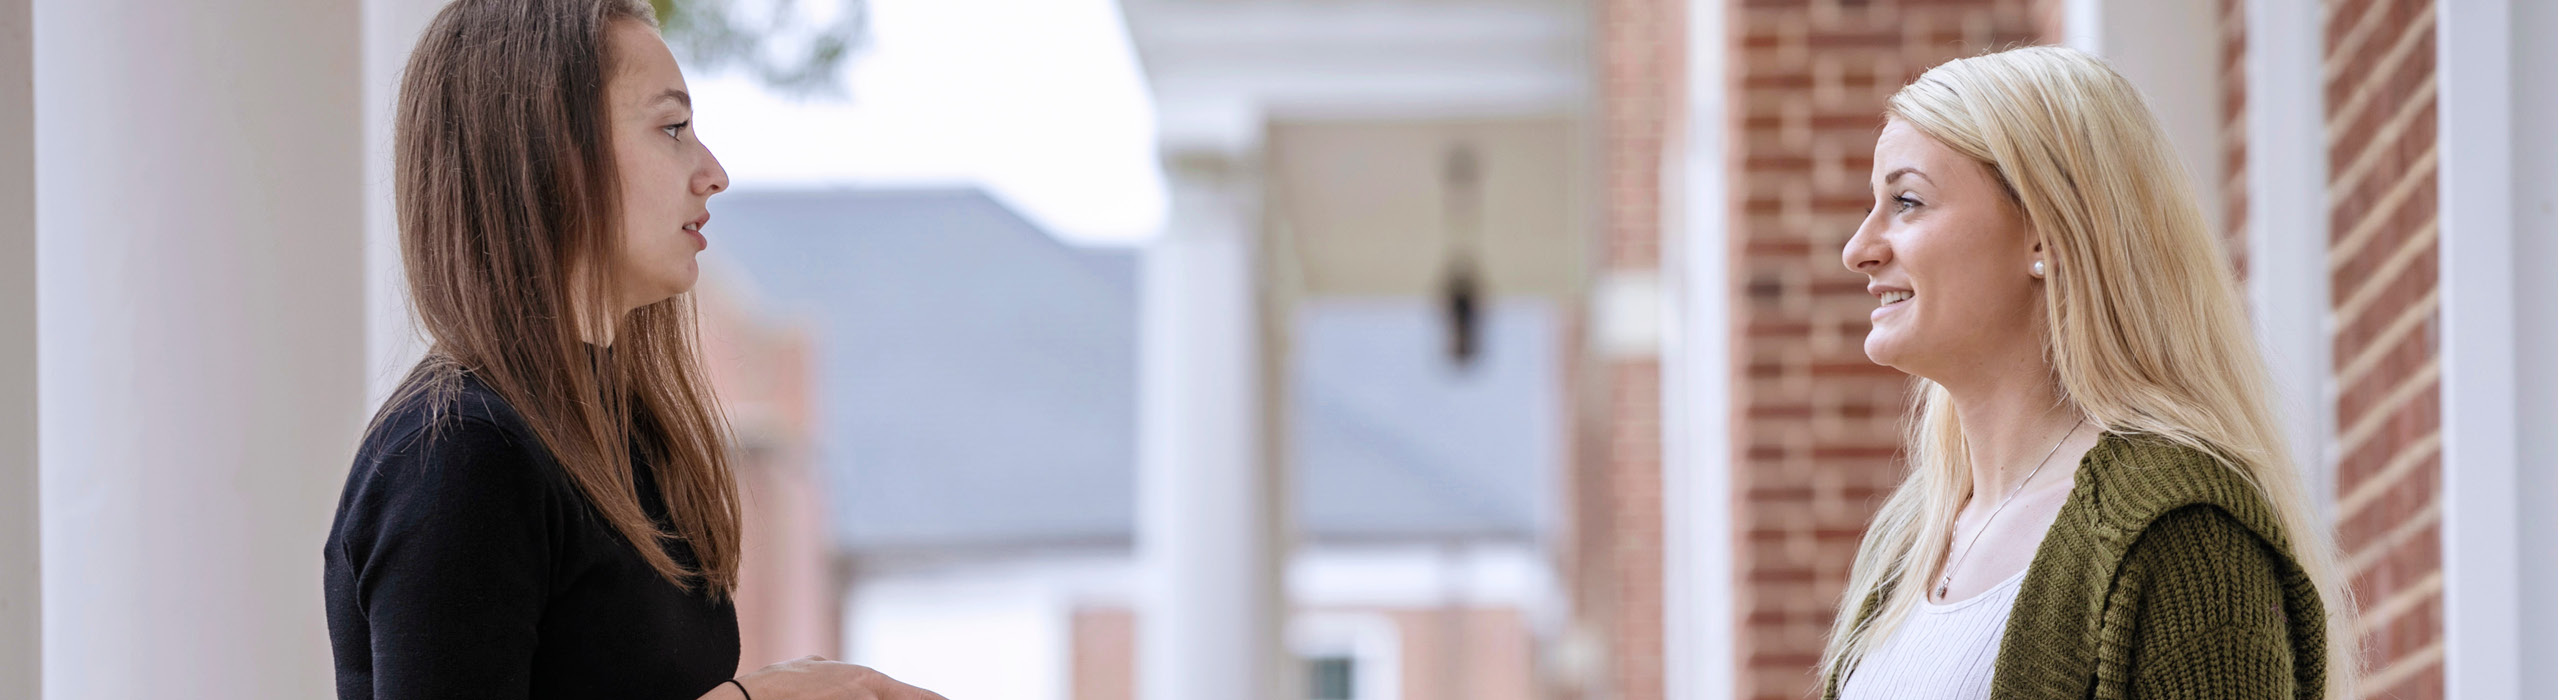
[2495,193]
[1208,522]
[1697,407]
[2288,228]
[392,343]
[199,218]
[2171,50]
[21,576]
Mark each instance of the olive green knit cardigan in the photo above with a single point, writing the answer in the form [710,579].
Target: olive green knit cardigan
[2165,575]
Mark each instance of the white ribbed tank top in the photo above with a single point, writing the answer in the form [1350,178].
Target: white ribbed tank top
[1942,651]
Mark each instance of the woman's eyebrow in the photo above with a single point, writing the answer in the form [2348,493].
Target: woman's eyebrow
[676,94]
[1906,170]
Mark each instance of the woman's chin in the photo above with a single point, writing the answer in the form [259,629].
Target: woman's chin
[1881,349]
[668,286]
[682,280]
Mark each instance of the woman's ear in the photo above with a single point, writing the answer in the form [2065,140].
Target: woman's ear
[2036,265]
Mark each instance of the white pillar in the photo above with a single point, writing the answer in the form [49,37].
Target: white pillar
[199,218]
[2288,228]
[2495,193]
[2171,50]
[1697,410]
[1208,518]
[392,343]
[21,579]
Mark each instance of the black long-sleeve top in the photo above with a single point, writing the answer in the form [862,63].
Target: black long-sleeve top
[465,564]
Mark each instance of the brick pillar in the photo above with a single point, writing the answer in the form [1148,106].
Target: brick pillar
[2232,22]
[2381,106]
[1641,48]
[1815,420]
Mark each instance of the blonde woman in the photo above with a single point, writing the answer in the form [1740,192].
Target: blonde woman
[2098,503]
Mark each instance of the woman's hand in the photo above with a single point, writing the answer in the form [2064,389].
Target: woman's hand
[815,678]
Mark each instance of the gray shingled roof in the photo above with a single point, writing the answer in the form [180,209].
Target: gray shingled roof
[979,384]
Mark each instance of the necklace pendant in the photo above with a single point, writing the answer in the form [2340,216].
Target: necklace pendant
[1942,587]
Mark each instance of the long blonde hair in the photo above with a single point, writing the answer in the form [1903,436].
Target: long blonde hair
[2144,329]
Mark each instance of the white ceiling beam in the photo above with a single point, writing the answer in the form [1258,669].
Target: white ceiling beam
[1219,71]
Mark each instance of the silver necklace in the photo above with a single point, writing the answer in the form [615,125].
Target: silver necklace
[1948,575]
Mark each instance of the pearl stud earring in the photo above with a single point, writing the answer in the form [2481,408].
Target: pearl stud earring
[2037,270]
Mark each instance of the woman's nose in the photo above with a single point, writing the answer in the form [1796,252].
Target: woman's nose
[1865,250]
[713,179]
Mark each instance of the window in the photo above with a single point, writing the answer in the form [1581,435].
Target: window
[1329,678]
[1347,655]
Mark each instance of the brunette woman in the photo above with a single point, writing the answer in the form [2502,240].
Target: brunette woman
[545,508]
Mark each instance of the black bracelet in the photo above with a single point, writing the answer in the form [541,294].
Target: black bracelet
[742,688]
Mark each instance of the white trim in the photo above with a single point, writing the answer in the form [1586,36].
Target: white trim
[2288,230]
[1699,622]
[1215,83]
[2083,25]
[1422,576]
[972,635]
[1372,641]
[2171,50]
[1627,309]
[2494,255]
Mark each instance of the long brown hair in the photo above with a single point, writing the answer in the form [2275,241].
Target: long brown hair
[509,209]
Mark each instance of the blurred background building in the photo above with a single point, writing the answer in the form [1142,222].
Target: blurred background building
[1258,349]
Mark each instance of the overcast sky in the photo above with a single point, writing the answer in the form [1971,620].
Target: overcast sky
[1039,101]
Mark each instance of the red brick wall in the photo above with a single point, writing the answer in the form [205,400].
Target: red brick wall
[1587,562]
[1641,48]
[1816,420]
[1475,653]
[1636,529]
[1103,658]
[1464,654]
[2235,132]
[2381,109]
[789,593]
